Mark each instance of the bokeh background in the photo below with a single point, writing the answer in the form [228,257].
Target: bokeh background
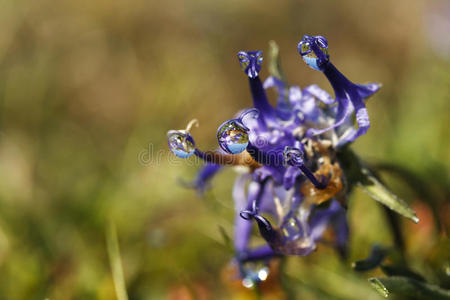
[88,90]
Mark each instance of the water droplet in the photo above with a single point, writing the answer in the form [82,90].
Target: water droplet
[263,274]
[181,143]
[232,136]
[251,62]
[248,282]
[248,113]
[290,229]
[306,49]
[254,273]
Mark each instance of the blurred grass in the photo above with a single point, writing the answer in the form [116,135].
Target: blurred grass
[115,262]
[86,86]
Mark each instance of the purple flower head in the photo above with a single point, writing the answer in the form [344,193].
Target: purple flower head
[293,185]
[349,96]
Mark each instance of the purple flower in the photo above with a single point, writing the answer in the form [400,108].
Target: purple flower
[349,96]
[294,184]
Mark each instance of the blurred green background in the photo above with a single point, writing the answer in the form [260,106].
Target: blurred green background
[88,90]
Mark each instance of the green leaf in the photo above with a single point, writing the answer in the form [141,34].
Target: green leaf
[422,186]
[275,61]
[379,287]
[358,174]
[372,186]
[392,270]
[275,69]
[408,287]
[228,242]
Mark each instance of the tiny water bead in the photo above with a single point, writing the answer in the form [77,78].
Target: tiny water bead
[291,228]
[233,136]
[181,143]
[251,62]
[254,275]
[314,50]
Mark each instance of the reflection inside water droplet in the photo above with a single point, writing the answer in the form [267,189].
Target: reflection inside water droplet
[232,136]
[254,273]
[248,282]
[181,144]
[251,62]
[308,54]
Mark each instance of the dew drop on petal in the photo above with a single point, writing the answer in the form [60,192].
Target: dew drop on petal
[254,273]
[311,61]
[290,229]
[248,282]
[243,60]
[307,53]
[263,273]
[251,62]
[180,143]
[232,137]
